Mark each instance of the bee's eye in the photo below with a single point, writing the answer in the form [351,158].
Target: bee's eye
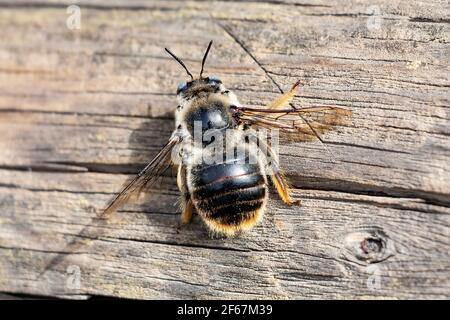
[214,79]
[182,87]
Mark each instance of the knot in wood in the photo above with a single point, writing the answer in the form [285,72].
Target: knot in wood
[371,245]
[368,245]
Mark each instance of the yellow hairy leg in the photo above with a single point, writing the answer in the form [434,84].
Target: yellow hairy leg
[186,203]
[283,189]
[285,99]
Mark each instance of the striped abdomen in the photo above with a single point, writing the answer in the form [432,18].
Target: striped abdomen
[228,196]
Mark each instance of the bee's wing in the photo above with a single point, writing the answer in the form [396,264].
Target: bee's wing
[297,124]
[151,171]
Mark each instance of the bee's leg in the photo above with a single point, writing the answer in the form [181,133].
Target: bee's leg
[186,202]
[273,170]
[285,99]
[269,162]
[186,214]
[283,189]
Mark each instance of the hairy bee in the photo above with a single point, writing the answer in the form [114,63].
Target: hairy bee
[229,193]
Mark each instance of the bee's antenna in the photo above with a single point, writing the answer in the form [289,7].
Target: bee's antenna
[180,62]
[204,57]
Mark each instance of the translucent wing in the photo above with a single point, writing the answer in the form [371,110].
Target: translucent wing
[298,124]
[151,171]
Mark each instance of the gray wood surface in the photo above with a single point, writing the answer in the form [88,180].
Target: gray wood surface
[82,110]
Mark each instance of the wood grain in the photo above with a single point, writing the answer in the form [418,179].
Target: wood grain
[82,110]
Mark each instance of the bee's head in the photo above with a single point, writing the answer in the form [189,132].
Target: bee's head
[200,86]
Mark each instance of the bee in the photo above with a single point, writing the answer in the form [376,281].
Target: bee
[229,194]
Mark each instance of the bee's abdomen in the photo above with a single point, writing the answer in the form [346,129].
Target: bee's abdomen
[228,193]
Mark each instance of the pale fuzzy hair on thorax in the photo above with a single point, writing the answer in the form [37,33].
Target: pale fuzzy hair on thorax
[223,96]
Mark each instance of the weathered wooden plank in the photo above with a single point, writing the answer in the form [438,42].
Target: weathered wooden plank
[78,107]
[96,141]
[306,252]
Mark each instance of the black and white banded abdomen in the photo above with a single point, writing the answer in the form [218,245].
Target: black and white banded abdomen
[229,196]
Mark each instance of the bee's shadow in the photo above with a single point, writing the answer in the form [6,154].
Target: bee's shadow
[160,201]
[145,142]
[159,204]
